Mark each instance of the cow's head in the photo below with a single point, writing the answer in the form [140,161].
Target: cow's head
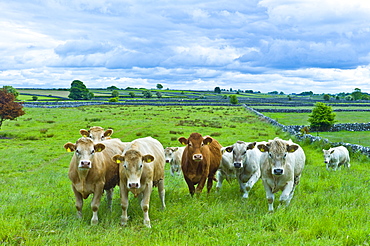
[131,166]
[195,144]
[327,155]
[239,151]
[96,133]
[277,151]
[84,150]
[168,153]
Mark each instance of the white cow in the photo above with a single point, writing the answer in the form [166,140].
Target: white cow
[335,157]
[226,169]
[173,156]
[141,166]
[282,163]
[245,160]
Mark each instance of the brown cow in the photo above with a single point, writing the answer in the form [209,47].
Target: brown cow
[97,133]
[92,170]
[141,166]
[200,160]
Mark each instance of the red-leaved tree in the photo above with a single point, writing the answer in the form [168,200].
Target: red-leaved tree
[9,109]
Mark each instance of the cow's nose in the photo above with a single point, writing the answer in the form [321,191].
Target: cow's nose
[198,157]
[85,164]
[133,185]
[278,171]
[237,165]
[325,162]
[167,161]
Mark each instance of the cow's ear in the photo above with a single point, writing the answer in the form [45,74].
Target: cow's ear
[263,147]
[229,149]
[207,140]
[291,148]
[175,149]
[99,147]
[118,159]
[183,140]
[148,158]
[84,133]
[108,133]
[251,145]
[70,147]
[323,150]
[332,151]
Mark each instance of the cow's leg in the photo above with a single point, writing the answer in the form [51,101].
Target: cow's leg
[95,203]
[335,166]
[124,203]
[220,179]
[287,195]
[162,192]
[346,163]
[327,166]
[252,180]
[145,204]
[172,170]
[109,198]
[269,196]
[79,202]
[201,184]
[190,185]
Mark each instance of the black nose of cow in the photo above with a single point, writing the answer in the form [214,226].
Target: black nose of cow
[197,157]
[167,161]
[133,185]
[278,171]
[237,165]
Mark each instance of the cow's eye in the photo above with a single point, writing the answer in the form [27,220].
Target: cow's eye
[125,166]
[90,136]
[270,155]
[92,151]
[141,166]
[77,152]
[284,156]
[244,152]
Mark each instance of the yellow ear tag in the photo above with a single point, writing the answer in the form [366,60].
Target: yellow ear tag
[85,136]
[149,160]
[118,161]
[262,150]
[99,150]
[69,150]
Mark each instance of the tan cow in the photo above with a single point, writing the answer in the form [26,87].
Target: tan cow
[282,163]
[335,157]
[141,166]
[92,171]
[173,156]
[200,161]
[97,133]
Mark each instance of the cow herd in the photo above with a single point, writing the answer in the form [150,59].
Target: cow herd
[100,163]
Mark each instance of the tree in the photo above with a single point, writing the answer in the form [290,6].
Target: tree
[9,110]
[12,90]
[159,86]
[357,94]
[159,94]
[233,99]
[115,93]
[217,90]
[147,94]
[111,88]
[79,91]
[132,94]
[326,97]
[322,117]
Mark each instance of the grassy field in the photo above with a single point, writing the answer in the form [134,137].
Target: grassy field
[37,203]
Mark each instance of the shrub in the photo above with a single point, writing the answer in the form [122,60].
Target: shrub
[322,117]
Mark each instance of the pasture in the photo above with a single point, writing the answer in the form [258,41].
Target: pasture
[37,203]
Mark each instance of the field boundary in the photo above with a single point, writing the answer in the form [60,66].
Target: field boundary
[295,130]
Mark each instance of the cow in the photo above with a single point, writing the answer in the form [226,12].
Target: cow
[200,161]
[141,166]
[226,169]
[245,160]
[335,157]
[173,157]
[97,133]
[92,171]
[282,163]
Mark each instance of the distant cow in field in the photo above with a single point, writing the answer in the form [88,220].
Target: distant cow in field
[245,160]
[97,133]
[200,161]
[282,163]
[335,157]
[141,166]
[92,171]
[173,157]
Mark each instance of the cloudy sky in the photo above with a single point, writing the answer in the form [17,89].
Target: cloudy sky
[268,45]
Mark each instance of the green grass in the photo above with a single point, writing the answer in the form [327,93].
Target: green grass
[37,203]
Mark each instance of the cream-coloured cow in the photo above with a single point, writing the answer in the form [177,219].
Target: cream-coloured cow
[97,133]
[335,157]
[141,166]
[92,171]
[246,163]
[173,156]
[282,163]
